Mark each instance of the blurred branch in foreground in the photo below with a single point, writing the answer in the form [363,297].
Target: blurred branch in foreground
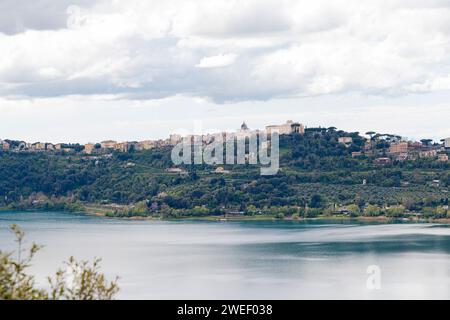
[79,280]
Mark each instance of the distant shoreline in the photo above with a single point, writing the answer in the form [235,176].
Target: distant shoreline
[267,217]
[335,218]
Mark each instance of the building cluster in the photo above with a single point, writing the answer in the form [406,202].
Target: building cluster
[402,150]
[409,150]
[111,145]
[396,149]
[88,148]
[8,145]
[386,148]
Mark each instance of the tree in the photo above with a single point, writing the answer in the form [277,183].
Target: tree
[79,281]
[87,282]
[372,210]
[15,284]
[279,215]
[395,211]
[316,201]
[371,134]
[140,208]
[251,209]
[353,209]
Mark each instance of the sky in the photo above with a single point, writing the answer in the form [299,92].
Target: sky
[86,71]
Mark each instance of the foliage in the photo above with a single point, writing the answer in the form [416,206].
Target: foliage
[78,281]
[87,282]
[316,171]
[395,211]
[353,209]
[372,210]
[14,282]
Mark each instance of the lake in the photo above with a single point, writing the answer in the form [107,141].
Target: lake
[245,260]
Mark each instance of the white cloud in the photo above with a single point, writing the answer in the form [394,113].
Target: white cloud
[152,49]
[221,60]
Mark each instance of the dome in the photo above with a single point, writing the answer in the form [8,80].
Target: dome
[244,126]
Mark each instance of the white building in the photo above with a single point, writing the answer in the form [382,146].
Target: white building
[447,143]
[286,128]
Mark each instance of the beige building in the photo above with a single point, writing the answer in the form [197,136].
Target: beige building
[108,144]
[286,128]
[89,148]
[146,144]
[345,140]
[163,142]
[442,157]
[123,146]
[428,154]
[38,146]
[4,145]
[221,170]
[399,147]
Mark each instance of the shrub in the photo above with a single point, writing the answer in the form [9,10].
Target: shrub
[86,281]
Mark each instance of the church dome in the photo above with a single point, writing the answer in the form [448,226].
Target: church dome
[244,126]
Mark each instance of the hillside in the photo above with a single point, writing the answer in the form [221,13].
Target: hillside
[318,175]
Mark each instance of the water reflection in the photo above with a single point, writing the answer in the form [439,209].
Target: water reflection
[248,260]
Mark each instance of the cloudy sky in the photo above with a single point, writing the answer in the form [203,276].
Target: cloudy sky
[79,70]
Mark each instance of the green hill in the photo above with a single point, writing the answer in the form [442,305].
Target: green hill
[318,176]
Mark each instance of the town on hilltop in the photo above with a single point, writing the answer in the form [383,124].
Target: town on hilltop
[126,146]
[323,171]
[384,147]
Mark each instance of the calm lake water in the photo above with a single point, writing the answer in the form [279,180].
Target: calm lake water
[244,260]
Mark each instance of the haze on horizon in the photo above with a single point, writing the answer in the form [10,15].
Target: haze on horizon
[80,71]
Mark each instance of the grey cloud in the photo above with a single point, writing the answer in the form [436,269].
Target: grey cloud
[17,16]
[137,63]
